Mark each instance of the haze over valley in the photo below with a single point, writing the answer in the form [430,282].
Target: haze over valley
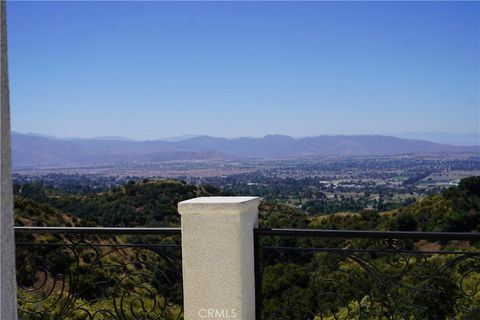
[37,152]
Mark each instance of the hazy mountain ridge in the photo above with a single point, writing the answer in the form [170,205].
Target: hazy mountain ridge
[468,139]
[40,151]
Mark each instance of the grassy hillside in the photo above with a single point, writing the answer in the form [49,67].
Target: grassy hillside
[31,213]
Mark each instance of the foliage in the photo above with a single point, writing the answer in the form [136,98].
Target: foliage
[456,209]
[293,281]
[148,203]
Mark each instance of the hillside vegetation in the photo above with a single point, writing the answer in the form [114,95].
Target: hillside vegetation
[456,209]
[292,280]
[146,203]
[153,203]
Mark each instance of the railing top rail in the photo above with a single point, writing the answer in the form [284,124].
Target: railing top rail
[98,230]
[415,235]
[267,232]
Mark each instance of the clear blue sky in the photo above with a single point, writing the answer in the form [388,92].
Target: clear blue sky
[149,70]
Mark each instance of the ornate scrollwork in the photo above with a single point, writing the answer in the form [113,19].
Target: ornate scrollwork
[390,244]
[85,277]
[386,282]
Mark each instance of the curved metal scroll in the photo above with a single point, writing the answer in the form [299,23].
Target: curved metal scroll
[87,277]
[384,281]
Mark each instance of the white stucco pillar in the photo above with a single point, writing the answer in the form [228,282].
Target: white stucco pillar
[8,296]
[218,257]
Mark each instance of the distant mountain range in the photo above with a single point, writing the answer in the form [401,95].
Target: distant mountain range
[37,151]
[468,139]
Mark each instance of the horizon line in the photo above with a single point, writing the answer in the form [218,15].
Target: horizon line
[182,137]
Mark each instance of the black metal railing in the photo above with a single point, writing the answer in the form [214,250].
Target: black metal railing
[99,273]
[333,274]
[135,273]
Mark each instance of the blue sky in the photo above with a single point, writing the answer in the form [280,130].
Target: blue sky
[147,70]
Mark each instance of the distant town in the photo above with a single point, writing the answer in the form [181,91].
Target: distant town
[317,185]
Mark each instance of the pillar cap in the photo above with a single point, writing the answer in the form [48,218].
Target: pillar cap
[215,204]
